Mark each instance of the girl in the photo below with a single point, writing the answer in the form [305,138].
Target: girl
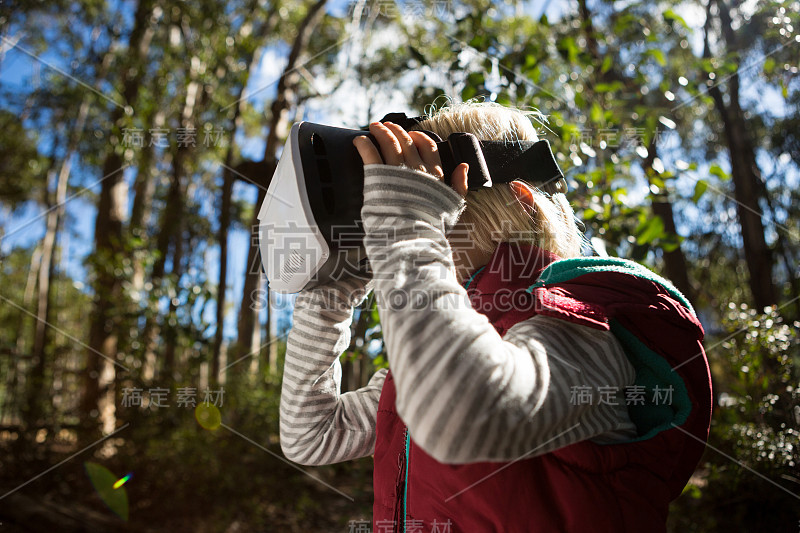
[530,389]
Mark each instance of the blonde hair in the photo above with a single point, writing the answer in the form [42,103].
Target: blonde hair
[495,214]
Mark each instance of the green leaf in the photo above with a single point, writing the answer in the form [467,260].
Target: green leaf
[624,22]
[503,99]
[658,55]
[607,62]
[596,113]
[103,482]
[769,65]
[477,41]
[693,491]
[535,73]
[699,188]
[568,49]
[658,181]
[380,362]
[468,92]
[671,15]
[717,171]
[650,230]
[608,87]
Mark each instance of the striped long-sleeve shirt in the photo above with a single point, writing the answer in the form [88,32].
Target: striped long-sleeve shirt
[466,393]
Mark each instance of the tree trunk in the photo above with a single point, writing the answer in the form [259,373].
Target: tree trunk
[39,282]
[748,190]
[36,386]
[222,236]
[248,332]
[168,221]
[250,305]
[141,213]
[111,210]
[11,404]
[174,230]
[784,251]
[675,266]
[144,190]
[748,187]
[228,180]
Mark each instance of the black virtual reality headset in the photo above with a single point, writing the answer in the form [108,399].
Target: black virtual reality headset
[310,228]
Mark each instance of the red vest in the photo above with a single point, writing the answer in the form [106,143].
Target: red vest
[585,486]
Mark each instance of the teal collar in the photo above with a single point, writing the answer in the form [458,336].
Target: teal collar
[473,276]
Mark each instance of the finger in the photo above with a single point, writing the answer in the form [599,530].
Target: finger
[410,154]
[390,147]
[459,179]
[429,153]
[368,152]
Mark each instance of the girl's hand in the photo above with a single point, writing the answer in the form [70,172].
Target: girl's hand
[413,149]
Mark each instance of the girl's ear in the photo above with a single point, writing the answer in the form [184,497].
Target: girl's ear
[524,194]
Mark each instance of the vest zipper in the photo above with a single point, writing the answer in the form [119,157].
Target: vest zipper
[405,479]
[398,523]
[401,506]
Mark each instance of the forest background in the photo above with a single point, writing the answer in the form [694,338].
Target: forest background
[140,347]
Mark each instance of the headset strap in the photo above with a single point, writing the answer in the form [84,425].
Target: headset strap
[507,161]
